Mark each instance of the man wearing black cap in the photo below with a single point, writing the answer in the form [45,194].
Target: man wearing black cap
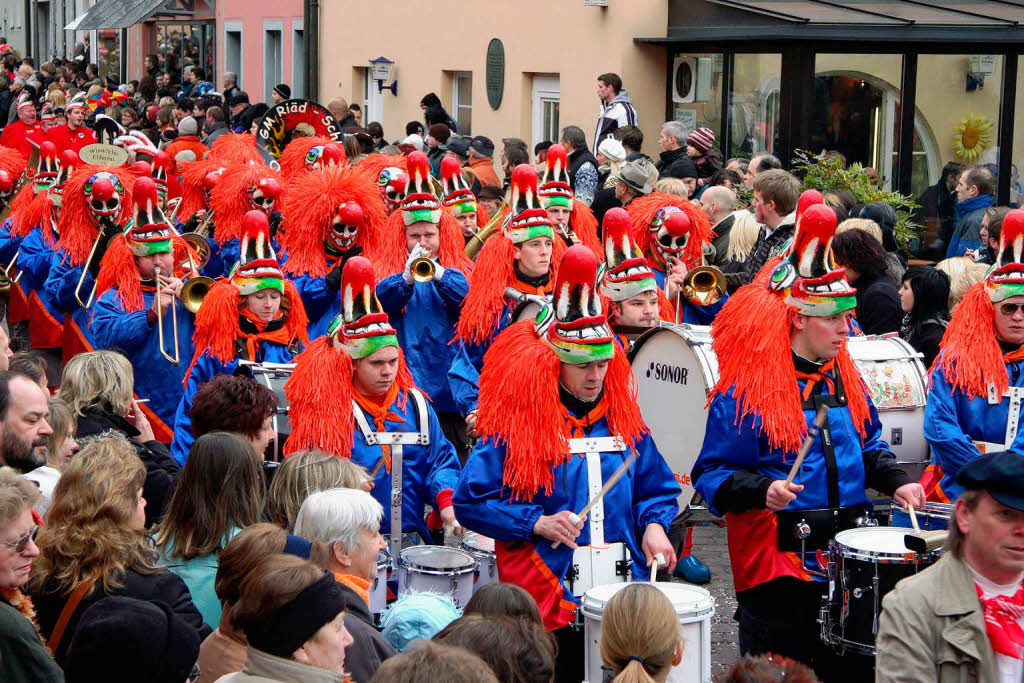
[961,618]
[481,160]
[238,104]
[282,92]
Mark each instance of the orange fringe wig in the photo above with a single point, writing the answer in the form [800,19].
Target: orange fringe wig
[526,416]
[371,166]
[118,270]
[583,222]
[12,161]
[293,158]
[389,253]
[319,395]
[482,217]
[37,213]
[311,200]
[217,325]
[641,212]
[236,148]
[493,272]
[755,363]
[230,198]
[193,186]
[971,358]
[77,229]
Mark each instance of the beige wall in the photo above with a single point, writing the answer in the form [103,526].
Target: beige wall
[540,37]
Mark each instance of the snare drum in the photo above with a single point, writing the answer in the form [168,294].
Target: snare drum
[935,516]
[863,565]
[695,608]
[379,588]
[437,569]
[482,550]
[597,566]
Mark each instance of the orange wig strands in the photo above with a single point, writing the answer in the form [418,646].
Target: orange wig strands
[311,200]
[525,416]
[371,166]
[76,226]
[493,272]
[389,253]
[293,158]
[118,269]
[193,186]
[319,395]
[971,358]
[583,222]
[37,213]
[641,212]
[482,217]
[230,199]
[236,148]
[13,162]
[755,363]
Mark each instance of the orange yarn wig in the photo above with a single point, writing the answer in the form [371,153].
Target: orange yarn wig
[118,270]
[293,159]
[193,187]
[970,355]
[231,198]
[76,225]
[236,148]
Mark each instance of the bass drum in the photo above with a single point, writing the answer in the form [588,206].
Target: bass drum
[676,369]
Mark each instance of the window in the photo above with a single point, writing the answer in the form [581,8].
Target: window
[697,92]
[462,101]
[298,59]
[1016,186]
[272,58]
[753,104]
[547,95]
[233,49]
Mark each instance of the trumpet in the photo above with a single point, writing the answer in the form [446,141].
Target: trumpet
[423,269]
[174,358]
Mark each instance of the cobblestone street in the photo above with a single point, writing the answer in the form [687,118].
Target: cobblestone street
[709,544]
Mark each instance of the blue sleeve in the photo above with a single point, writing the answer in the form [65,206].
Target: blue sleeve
[702,315]
[61,284]
[464,377]
[480,504]
[113,328]
[444,468]
[655,491]
[951,447]
[452,288]
[8,245]
[34,259]
[316,295]
[727,448]
[394,294]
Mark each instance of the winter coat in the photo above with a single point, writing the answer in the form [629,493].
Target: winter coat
[614,115]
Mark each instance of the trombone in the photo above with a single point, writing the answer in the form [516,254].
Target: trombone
[173,204]
[477,241]
[5,276]
[85,271]
[174,359]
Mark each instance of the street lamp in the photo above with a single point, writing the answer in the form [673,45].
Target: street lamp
[380,71]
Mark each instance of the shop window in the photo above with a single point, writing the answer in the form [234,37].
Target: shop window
[462,101]
[1017,169]
[753,104]
[233,52]
[697,91]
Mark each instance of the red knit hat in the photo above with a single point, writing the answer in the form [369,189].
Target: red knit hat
[703,139]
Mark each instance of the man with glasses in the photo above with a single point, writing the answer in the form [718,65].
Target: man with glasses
[974,405]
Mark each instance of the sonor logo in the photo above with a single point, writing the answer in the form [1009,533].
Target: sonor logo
[668,373]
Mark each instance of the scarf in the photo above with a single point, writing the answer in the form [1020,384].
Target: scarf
[816,376]
[532,285]
[274,331]
[1014,356]
[982,201]
[589,411]
[379,412]
[357,583]
[1002,614]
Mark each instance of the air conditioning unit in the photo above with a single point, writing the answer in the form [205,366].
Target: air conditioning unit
[691,79]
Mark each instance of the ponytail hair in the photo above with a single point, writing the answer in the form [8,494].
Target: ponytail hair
[640,634]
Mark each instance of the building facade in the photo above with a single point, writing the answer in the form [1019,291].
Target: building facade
[263,41]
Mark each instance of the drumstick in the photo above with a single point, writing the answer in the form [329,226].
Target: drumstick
[616,475]
[376,468]
[819,420]
[913,518]
[658,559]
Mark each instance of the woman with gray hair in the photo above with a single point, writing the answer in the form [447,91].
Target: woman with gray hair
[98,387]
[344,524]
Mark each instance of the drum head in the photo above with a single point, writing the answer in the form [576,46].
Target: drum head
[477,542]
[688,600]
[675,369]
[876,540]
[436,557]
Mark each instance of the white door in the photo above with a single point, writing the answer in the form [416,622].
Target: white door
[546,97]
[372,105]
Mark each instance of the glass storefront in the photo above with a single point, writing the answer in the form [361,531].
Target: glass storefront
[108,51]
[180,45]
[1017,169]
[754,104]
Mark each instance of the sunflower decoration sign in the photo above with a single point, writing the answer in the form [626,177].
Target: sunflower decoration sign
[972,137]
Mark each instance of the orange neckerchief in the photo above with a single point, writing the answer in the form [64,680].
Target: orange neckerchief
[252,341]
[577,425]
[379,411]
[357,583]
[814,377]
[1014,356]
[525,288]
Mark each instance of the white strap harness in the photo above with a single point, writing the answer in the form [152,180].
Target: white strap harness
[396,440]
[1015,394]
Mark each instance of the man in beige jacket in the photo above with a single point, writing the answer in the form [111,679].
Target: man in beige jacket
[960,619]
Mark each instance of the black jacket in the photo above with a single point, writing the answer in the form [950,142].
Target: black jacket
[163,586]
[577,159]
[675,164]
[767,247]
[604,199]
[369,648]
[161,469]
[926,340]
[878,304]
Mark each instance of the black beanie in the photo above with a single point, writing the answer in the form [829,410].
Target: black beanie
[124,639]
[283,90]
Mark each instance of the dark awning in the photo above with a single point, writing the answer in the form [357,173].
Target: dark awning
[115,14]
[889,21]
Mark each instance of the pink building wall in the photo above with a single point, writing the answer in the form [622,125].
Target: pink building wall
[252,16]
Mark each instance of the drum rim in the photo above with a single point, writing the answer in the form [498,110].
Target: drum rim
[705,600]
[929,508]
[477,551]
[880,557]
[642,339]
[436,571]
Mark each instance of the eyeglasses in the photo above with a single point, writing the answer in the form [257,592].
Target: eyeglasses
[1009,309]
[19,545]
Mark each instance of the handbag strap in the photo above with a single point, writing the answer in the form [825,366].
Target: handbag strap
[65,614]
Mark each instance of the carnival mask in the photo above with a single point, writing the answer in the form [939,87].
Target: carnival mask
[103,193]
[149,232]
[392,181]
[362,327]
[817,286]
[1006,277]
[257,266]
[574,324]
[47,168]
[264,195]
[627,271]
[320,156]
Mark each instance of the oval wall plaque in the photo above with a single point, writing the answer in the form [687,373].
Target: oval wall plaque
[495,72]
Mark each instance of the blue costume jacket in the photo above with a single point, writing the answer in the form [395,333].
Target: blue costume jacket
[953,422]
[155,377]
[60,293]
[35,262]
[206,368]
[425,314]
[8,245]
[736,466]
[428,472]
[645,495]
[464,373]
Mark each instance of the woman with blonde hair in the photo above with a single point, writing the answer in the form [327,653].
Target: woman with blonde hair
[305,473]
[94,545]
[640,635]
[866,224]
[98,387]
[963,274]
[60,447]
[742,237]
[672,186]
